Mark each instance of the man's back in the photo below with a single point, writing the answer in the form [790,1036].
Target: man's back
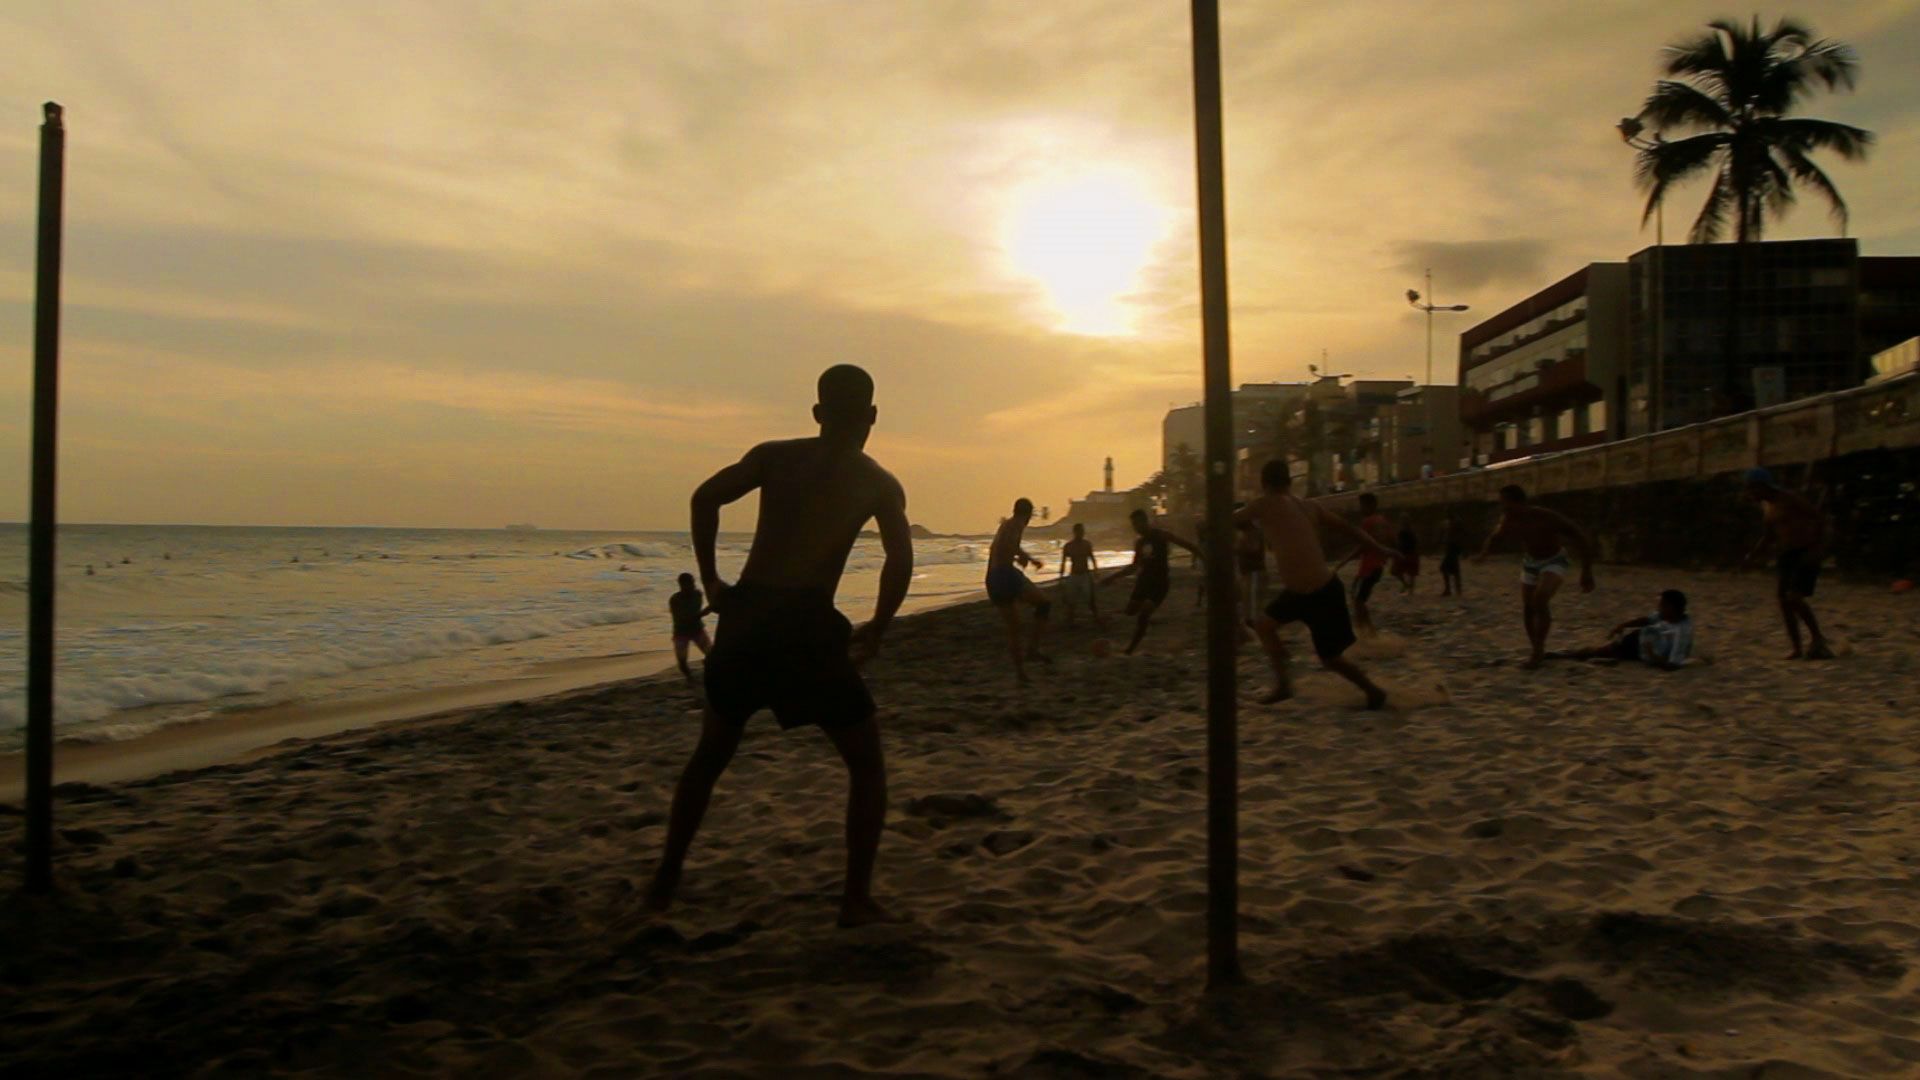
[1538,529]
[1796,522]
[1080,553]
[1291,527]
[814,499]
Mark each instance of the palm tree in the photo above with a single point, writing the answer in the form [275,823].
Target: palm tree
[1733,87]
[1728,95]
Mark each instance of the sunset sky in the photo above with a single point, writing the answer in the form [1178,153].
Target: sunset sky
[471,263]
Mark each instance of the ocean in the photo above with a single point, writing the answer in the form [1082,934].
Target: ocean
[167,624]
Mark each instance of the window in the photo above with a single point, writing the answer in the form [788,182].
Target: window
[1597,416]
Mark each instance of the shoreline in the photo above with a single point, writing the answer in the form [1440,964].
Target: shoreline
[246,733]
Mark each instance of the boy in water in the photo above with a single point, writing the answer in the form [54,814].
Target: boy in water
[1663,639]
[689,611]
[1077,553]
[1309,591]
[1800,531]
[782,645]
[1007,586]
[1152,577]
[1543,561]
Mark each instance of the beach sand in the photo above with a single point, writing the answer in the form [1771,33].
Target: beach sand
[1587,870]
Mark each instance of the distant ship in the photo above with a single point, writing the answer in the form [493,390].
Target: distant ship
[522,527]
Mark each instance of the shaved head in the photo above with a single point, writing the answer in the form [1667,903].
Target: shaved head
[845,388]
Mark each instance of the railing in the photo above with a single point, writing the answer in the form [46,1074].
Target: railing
[1885,415]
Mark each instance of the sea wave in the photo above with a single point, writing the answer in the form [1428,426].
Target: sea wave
[87,702]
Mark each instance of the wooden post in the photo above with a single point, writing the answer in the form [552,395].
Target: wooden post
[46,419]
[1223,785]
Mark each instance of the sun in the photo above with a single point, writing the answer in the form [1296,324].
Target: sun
[1086,237]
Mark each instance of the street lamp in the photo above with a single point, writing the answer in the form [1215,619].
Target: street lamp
[1428,306]
[1630,128]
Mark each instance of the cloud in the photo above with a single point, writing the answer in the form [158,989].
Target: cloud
[1475,264]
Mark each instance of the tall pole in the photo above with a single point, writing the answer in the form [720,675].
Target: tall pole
[46,418]
[1429,381]
[1223,783]
[1659,394]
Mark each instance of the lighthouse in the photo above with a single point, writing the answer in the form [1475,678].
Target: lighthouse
[1109,476]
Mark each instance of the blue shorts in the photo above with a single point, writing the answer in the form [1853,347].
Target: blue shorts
[1005,584]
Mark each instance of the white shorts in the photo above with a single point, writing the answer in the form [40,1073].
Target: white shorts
[1557,564]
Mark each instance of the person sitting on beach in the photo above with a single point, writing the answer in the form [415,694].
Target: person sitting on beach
[1543,561]
[1151,574]
[689,611]
[1450,582]
[1007,586]
[781,643]
[1406,568]
[1372,565]
[1077,554]
[1663,639]
[1790,520]
[1310,591]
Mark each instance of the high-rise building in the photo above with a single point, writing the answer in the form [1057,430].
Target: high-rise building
[1546,373]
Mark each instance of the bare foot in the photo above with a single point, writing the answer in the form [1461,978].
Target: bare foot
[865,913]
[1796,654]
[1376,699]
[1820,651]
[1533,664]
[1280,694]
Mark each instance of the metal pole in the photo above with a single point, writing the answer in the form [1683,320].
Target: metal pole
[1658,395]
[1223,785]
[1429,306]
[46,418]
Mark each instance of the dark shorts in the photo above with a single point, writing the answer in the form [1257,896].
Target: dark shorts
[1799,572]
[1450,562]
[689,634]
[785,650]
[1005,584]
[1627,646]
[1324,610]
[1148,589]
[1363,585]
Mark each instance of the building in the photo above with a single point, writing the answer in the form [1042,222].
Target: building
[1548,373]
[1258,410]
[1902,359]
[1718,330]
[1420,435]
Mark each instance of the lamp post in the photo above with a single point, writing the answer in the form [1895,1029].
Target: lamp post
[1630,128]
[1427,305]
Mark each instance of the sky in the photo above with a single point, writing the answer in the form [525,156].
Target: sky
[420,264]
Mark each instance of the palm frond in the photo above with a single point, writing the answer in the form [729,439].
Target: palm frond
[1679,106]
[1712,222]
[1807,134]
[1806,172]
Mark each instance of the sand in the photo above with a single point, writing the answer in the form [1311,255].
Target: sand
[1587,870]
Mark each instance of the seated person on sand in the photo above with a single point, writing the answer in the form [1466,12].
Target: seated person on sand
[1663,639]
[689,610]
[1078,565]
[1152,576]
[1310,592]
[782,645]
[1007,586]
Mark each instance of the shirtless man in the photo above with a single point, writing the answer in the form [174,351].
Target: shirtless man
[1007,586]
[1152,576]
[1310,592]
[782,645]
[1372,566]
[1078,553]
[1800,530]
[1543,563]
[689,611]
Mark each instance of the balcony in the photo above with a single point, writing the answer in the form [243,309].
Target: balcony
[1556,384]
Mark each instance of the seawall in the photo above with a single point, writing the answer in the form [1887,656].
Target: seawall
[1676,497]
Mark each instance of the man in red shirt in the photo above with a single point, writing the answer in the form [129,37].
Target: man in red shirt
[1372,564]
